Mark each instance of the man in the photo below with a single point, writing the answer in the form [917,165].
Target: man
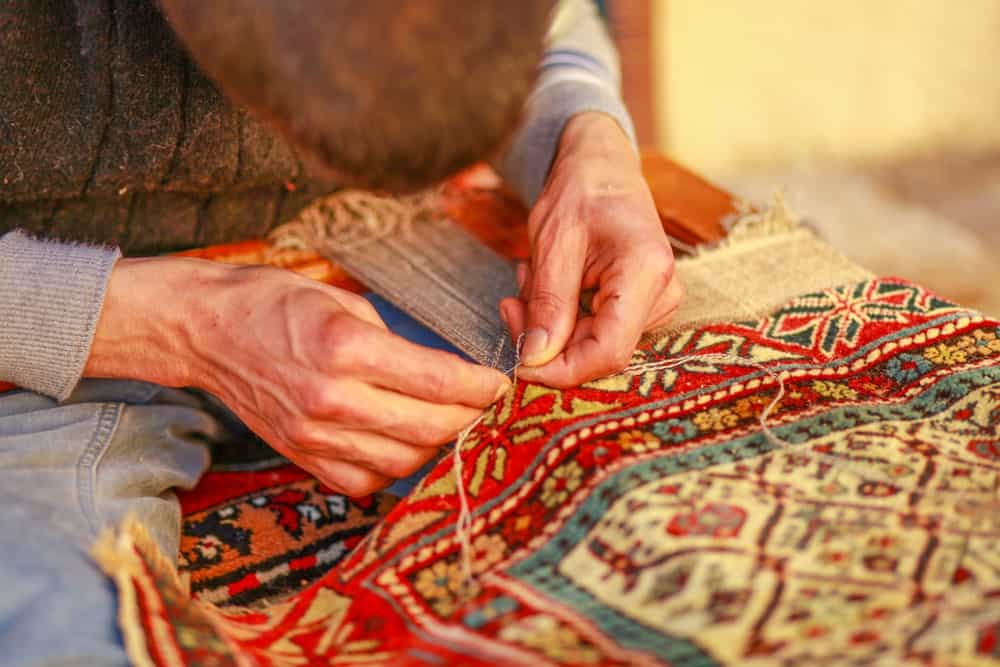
[309,368]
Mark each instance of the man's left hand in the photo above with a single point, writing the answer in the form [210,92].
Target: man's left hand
[594,227]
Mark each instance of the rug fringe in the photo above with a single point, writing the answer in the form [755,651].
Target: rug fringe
[122,548]
[351,219]
[130,556]
[749,225]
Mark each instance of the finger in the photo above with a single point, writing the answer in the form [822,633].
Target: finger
[512,309]
[584,329]
[666,305]
[618,322]
[514,317]
[347,478]
[552,293]
[358,405]
[356,305]
[546,374]
[378,453]
[512,312]
[319,458]
[392,362]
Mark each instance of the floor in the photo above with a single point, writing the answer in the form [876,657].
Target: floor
[932,219]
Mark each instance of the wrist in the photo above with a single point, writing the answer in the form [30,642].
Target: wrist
[596,134]
[152,311]
[596,157]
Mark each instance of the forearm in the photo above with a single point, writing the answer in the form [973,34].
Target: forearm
[71,311]
[154,313]
[579,73]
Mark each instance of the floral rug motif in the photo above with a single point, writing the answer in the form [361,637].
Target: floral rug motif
[252,537]
[648,520]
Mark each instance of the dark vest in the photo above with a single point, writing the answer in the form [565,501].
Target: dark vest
[109,133]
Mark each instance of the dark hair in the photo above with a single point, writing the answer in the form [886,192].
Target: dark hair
[390,94]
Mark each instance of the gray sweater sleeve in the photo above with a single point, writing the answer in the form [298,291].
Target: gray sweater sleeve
[51,296]
[579,72]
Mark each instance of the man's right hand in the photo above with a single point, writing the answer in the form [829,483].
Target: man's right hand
[310,368]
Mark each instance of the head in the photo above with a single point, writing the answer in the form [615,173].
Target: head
[388,94]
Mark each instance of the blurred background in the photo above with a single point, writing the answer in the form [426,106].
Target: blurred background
[879,120]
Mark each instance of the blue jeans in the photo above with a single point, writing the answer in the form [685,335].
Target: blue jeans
[67,471]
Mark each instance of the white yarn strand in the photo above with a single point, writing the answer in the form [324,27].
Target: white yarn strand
[463,525]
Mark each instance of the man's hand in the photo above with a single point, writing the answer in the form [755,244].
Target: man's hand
[594,226]
[310,368]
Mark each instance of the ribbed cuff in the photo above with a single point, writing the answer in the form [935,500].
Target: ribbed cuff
[528,160]
[51,296]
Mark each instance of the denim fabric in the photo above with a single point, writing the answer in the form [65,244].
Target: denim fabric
[66,471]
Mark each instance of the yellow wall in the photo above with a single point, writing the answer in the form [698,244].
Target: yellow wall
[761,82]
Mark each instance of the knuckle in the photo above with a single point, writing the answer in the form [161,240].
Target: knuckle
[544,299]
[659,262]
[612,362]
[300,432]
[343,326]
[420,434]
[363,486]
[567,381]
[340,336]
[618,359]
[430,434]
[327,400]
[436,382]
[403,466]
[359,306]
[354,487]
[676,296]
[376,485]
[367,310]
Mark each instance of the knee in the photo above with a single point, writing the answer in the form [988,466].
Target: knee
[57,607]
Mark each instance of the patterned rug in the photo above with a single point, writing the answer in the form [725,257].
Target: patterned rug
[249,537]
[648,519]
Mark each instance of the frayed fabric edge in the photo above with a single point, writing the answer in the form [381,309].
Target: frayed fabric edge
[749,226]
[132,559]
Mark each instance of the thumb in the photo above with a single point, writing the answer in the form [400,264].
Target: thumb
[552,295]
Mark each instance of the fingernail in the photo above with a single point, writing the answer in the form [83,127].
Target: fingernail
[502,391]
[535,342]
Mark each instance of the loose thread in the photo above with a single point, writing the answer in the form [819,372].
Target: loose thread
[463,526]
[349,220]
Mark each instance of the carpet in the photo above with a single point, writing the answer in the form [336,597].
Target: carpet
[249,537]
[647,518]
